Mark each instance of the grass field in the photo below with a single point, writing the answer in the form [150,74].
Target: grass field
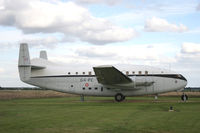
[99,114]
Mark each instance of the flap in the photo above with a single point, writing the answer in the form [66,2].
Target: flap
[109,75]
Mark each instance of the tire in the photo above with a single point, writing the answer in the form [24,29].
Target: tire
[119,97]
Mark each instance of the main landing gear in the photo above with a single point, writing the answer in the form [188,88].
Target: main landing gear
[119,97]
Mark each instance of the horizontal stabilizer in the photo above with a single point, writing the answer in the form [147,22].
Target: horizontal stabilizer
[37,67]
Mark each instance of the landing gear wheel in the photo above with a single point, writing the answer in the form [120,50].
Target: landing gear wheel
[119,97]
[184,97]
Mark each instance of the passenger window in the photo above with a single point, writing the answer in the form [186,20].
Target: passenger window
[89,73]
[68,73]
[127,72]
[83,73]
[101,88]
[89,88]
[133,72]
[95,88]
[146,72]
[83,88]
[140,72]
[76,73]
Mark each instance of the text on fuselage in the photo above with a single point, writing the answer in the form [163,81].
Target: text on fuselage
[86,80]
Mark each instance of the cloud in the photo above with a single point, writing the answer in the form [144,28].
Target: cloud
[190,48]
[107,2]
[189,56]
[95,52]
[34,40]
[41,42]
[161,25]
[48,42]
[50,16]
[2,70]
[198,7]
[116,54]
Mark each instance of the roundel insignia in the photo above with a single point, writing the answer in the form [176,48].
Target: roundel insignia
[86,84]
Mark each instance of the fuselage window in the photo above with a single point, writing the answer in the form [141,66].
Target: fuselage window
[72,86]
[89,88]
[95,88]
[68,73]
[83,73]
[140,72]
[101,88]
[76,73]
[127,72]
[89,73]
[146,72]
[83,88]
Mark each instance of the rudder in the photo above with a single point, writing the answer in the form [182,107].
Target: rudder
[24,64]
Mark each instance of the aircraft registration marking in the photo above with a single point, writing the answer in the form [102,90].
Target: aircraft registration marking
[86,80]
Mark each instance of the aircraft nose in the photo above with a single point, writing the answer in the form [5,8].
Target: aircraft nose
[185,83]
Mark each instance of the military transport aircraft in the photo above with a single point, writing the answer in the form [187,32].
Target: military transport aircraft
[105,80]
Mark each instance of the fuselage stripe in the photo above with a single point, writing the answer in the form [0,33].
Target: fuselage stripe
[176,76]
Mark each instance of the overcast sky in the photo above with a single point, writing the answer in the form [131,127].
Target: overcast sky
[157,33]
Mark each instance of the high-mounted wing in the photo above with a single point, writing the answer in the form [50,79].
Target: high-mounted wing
[109,75]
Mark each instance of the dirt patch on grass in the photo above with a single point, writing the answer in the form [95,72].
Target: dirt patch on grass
[15,94]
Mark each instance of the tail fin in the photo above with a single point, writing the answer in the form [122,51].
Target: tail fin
[24,64]
[43,55]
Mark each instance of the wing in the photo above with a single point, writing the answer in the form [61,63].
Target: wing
[109,75]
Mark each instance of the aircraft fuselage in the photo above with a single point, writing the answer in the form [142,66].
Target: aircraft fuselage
[88,85]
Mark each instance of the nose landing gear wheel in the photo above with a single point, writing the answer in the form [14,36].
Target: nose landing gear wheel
[184,97]
[119,97]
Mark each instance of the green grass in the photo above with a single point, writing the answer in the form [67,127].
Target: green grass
[99,114]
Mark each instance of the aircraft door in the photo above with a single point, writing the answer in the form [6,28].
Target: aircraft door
[149,84]
[134,81]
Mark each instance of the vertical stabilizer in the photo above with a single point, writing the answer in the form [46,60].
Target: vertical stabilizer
[24,64]
[43,55]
